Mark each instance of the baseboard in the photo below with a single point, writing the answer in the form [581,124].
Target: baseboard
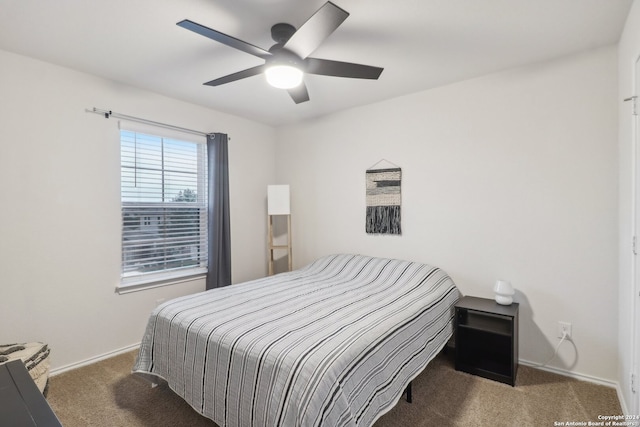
[623,403]
[92,360]
[582,377]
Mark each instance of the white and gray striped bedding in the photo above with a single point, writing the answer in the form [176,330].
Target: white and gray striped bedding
[332,344]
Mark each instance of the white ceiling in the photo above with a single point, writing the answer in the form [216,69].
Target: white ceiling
[420,43]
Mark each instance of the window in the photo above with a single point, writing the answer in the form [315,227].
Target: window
[164,208]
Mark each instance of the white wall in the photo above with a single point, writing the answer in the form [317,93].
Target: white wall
[512,175]
[628,53]
[60,219]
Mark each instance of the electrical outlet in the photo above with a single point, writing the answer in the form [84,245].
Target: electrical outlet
[564,328]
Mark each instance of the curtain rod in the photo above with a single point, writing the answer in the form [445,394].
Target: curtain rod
[109,113]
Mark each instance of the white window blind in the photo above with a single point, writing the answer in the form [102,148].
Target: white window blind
[164,208]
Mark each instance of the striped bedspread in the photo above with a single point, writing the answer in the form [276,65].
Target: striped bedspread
[332,344]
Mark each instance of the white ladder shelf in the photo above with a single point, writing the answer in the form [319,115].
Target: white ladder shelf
[273,247]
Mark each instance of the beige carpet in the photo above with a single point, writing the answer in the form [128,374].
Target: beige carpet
[106,394]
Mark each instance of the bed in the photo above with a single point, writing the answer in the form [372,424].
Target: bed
[334,343]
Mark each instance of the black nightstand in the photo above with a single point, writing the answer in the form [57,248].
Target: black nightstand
[487,339]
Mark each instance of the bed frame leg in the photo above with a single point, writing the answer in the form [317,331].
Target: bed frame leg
[408,392]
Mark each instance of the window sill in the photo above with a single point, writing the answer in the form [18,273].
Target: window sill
[150,283]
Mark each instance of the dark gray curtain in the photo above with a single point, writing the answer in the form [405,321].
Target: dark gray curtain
[218,213]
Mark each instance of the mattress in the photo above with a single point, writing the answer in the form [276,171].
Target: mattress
[332,344]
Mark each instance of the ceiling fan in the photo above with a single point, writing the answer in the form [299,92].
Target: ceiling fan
[288,59]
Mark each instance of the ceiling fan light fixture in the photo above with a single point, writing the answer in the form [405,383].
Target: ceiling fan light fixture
[283,76]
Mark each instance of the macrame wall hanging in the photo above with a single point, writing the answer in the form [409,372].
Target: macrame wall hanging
[383,198]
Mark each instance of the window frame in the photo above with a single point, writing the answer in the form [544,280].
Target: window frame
[131,280]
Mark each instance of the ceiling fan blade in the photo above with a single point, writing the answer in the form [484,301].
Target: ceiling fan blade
[317,28]
[327,67]
[299,93]
[224,39]
[249,72]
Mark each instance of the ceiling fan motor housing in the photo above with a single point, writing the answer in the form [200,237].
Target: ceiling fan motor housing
[285,57]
